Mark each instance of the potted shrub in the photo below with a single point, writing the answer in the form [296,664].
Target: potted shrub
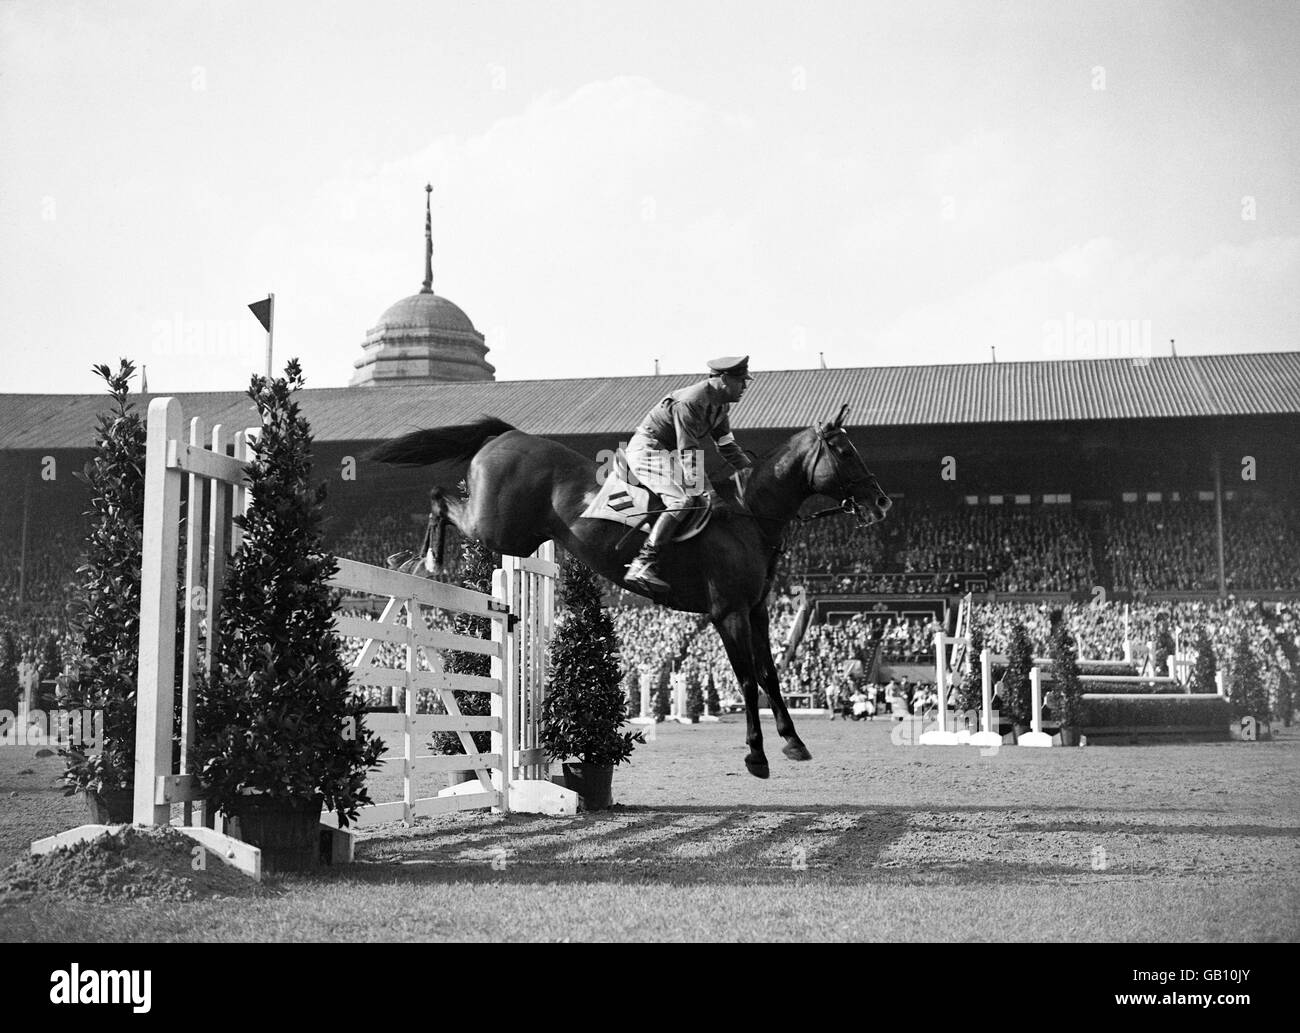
[1206,668]
[1247,692]
[279,733]
[585,708]
[694,697]
[478,563]
[662,698]
[1065,675]
[106,612]
[1017,696]
[713,705]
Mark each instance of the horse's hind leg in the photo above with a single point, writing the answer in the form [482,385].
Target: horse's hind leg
[735,631]
[771,683]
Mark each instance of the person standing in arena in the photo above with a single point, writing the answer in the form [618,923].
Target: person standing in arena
[666,456]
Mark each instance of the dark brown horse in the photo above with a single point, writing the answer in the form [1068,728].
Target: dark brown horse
[524,490]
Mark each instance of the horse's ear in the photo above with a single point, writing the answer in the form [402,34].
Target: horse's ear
[844,411]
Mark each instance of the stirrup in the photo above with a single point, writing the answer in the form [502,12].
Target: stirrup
[642,573]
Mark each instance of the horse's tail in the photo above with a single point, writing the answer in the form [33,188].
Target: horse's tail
[440,444]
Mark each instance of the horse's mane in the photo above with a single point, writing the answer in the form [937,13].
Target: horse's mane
[439,444]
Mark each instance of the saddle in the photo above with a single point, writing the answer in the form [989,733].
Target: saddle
[625,500]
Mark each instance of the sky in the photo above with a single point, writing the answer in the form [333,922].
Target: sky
[859,184]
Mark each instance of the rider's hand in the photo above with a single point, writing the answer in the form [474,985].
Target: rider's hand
[741,479]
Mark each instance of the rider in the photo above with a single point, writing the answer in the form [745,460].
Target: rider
[666,456]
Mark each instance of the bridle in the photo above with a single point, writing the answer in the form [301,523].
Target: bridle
[833,439]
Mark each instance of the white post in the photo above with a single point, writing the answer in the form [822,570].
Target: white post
[678,682]
[198,486]
[270,335]
[940,736]
[506,668]
[1036,736]
[987,735]
[644,717]
[155,686]
[524,783]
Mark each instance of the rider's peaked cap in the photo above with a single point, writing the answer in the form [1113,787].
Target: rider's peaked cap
[733,365]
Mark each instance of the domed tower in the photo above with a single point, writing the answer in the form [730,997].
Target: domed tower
[423,339]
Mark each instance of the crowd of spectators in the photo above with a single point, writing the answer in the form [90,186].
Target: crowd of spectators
[818,670]
[53,554]
[1172,546]
[922,552]
[835,545]
[904,640]
[1146,546]
[651,637]
[1018,550]
[1167,546]
[704,657]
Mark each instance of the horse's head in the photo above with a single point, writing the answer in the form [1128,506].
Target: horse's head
[836,469]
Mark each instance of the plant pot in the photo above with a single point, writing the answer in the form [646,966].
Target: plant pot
[455,778]
[593,782]
[1069,736]
[285,829]
[1018,730]
[114,807]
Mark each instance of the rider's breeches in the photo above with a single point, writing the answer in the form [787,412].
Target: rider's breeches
[675,480]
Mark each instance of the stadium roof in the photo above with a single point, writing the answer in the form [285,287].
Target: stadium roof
[1010,392]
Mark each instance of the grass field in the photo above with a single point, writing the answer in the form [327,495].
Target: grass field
[869,841]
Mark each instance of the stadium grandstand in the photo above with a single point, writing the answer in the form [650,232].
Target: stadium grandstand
[1151,484]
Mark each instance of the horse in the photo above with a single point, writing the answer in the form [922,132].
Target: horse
[524,490]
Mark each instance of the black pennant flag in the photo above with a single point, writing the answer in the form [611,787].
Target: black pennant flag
[262,310]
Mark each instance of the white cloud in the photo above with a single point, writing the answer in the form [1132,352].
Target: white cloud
[1229,298]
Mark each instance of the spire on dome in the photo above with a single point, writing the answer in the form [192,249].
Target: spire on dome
[428,242]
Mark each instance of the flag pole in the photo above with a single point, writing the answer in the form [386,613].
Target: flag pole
[270,335]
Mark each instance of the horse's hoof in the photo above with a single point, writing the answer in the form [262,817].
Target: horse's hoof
[797,751]
[757,768]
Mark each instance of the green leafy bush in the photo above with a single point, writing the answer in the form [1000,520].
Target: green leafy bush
[1065,672]
[106,613]
[1016,691]
[1208,712]
[1247,691]
[662,697]
[711,701]
[585,707]
[276,719]
[694,696]
[1206,669]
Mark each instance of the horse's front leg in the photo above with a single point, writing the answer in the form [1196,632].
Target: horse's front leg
[771,683]
[736,637]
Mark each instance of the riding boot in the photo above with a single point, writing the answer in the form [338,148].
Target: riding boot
[643,571]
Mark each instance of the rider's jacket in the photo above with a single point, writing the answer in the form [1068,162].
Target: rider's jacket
[683,419]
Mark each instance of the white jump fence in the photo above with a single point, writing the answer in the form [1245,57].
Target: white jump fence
[513,775]
[944,733]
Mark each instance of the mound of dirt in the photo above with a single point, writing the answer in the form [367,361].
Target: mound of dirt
[157,864]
